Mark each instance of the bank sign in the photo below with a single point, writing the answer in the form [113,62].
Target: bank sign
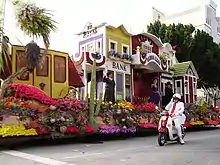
[118,66]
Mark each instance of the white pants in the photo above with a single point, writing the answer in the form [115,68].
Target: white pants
[179,120]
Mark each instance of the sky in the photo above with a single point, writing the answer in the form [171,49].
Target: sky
[72,15]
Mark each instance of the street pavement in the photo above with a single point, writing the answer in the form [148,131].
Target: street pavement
[201,148]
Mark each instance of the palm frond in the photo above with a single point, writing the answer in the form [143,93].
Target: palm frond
[35,22]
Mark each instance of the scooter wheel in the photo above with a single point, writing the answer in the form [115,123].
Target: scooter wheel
[161,139]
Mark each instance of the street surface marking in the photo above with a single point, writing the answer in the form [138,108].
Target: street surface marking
[48,161]
[109,152]
[132,148]
[35,158]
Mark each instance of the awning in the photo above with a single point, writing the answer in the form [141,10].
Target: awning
[74,78]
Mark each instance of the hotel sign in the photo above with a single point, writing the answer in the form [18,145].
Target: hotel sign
[153,57]
[89,30]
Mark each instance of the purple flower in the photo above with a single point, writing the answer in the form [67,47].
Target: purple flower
[128,130]
[109,130]
[116,130]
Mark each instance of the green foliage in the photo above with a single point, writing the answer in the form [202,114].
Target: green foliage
[192,45]
[34,21]
[163,58]
[92,94]
[98,106]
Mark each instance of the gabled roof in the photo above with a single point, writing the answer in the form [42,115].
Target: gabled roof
[181,68]
[121,27]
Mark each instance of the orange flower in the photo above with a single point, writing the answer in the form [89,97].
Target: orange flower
[42,108]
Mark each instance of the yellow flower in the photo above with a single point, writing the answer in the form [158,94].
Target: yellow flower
[16,130]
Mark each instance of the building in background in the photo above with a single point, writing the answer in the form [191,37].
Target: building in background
[111,48]
[138,62]
[203,17]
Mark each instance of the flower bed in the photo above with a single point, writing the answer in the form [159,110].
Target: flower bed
[26,111]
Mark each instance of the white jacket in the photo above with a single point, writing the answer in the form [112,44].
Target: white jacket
[178,110]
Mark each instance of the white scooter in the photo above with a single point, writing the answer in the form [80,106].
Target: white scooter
[167,130]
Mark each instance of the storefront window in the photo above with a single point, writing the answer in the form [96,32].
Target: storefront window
[128,87]
[163,89]
[119,88]
[194,86]
[98,46]
[21,61]
[187,87]
[59,69]
[178,86]
[43,70]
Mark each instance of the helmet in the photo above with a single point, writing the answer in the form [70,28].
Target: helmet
[177,95]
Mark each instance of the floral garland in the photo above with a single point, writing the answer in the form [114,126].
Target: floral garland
[30,92]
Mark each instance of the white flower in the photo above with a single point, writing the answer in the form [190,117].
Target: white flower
[52,120]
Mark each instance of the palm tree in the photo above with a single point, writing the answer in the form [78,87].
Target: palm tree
[35,22]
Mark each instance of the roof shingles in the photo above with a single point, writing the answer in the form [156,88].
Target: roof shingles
[180,69]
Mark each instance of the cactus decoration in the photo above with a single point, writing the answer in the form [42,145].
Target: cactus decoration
[92,93]
[87,99]
[98,106]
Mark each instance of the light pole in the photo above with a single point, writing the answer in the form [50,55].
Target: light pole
[2,19]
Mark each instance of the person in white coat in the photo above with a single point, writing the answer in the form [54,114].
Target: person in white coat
[176,109]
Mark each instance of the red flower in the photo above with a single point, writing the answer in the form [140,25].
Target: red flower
[186,124]
[211,122]
[148,107]
[31,92]
[41,132]
[147,125]
[72,129]
[89,129]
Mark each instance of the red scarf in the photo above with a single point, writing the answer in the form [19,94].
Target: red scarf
[174,107]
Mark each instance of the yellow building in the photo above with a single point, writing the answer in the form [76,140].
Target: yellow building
[54,77]
[111,48]
[118,49]
[118,39]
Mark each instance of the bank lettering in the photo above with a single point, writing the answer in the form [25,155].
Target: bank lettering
[153,57]
[118,66]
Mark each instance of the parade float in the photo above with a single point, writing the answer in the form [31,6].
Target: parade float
[36,97]
[25,110]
